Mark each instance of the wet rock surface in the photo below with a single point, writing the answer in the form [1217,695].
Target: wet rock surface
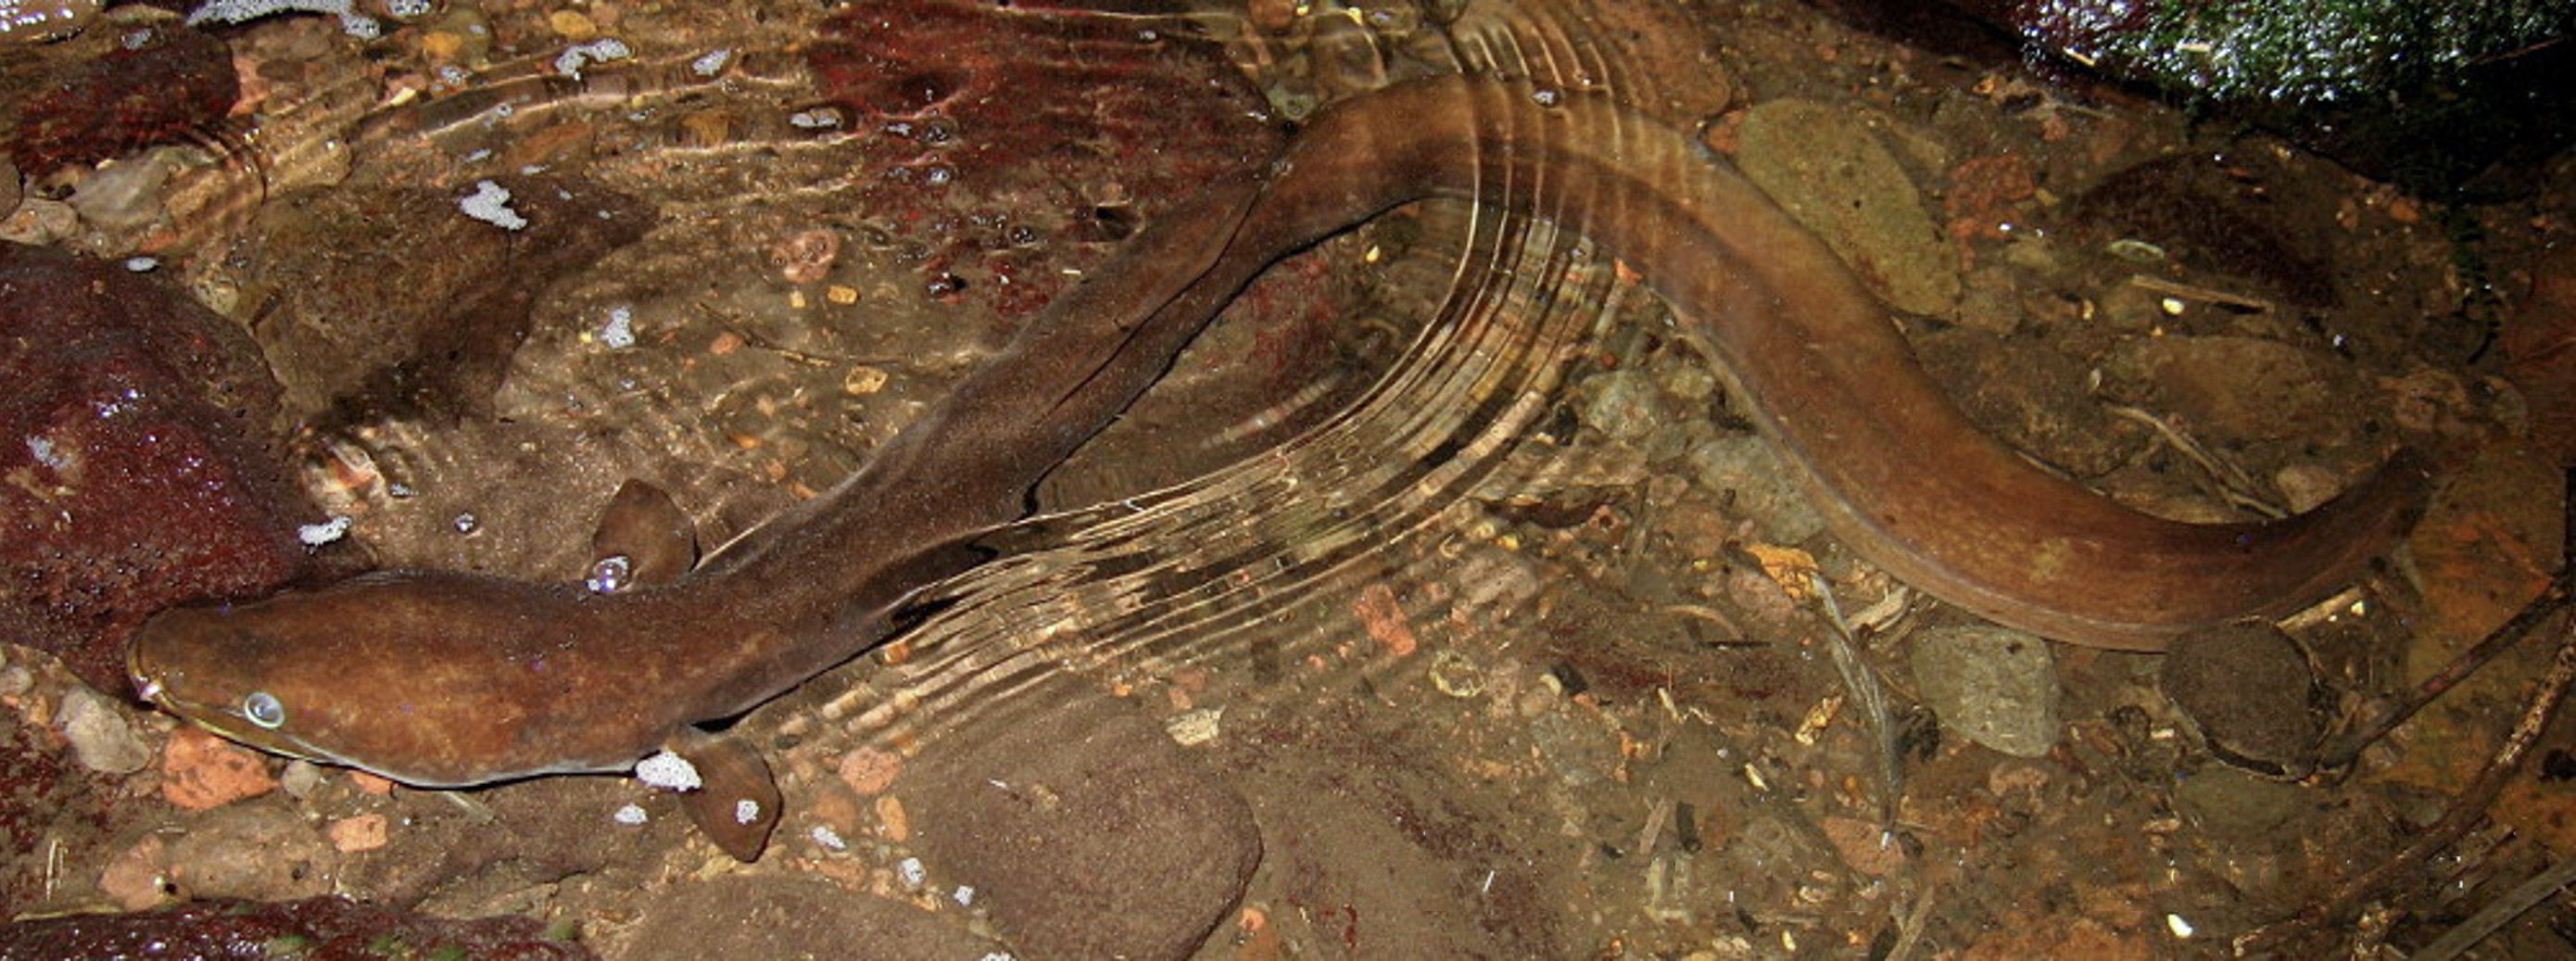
[2216,214]
[140,468]
[2033,397]
[778,917]
[1372,851]
[321,276]
[950,91]
[112,91]
[1092,835]
[318,928]
[1830,168]
[2252,694]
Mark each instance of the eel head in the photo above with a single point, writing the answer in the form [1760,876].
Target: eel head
[429,678]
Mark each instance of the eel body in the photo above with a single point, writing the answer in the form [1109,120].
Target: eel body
[450,679]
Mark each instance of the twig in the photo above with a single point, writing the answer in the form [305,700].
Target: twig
[2468,933]
[2553,600]
[2233,486]
[2204,294]
[2464,813]
[2559,596]
[1865,689]
[1909,929]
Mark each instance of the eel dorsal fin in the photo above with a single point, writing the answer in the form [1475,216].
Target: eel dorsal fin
[643,525]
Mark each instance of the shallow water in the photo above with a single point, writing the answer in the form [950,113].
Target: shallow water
[1443,550]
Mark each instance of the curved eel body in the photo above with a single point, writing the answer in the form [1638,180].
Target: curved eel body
[448,679]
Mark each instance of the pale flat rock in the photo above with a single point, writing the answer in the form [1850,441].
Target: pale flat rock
[1995,685]
[1090,835]
[1831,171]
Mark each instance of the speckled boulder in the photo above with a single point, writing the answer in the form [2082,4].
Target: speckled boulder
[135,472]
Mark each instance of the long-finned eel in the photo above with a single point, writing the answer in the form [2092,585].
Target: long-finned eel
[444,679]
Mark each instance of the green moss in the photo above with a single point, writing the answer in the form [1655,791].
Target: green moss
[2324,52]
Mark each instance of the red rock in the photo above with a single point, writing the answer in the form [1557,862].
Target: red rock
[981,120]
[200,771]
[134,470]
[360,832]
[118,90]
[321,927]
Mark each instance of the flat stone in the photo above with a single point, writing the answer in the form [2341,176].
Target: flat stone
[773,916]
[1090,836]
[2249,689]
[1827,168]
[1996,685]
[2033,398]
[102,735]
[1748,470]
[2244,388]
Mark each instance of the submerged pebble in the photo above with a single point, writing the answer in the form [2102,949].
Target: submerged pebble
[102,737]
[1996,685]
[1749,472]
[1622,404]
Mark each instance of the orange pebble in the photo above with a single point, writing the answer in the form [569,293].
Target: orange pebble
[200,771]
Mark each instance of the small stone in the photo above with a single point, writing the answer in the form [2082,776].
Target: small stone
[1456,675]
[1864,846]
[1746,468]
[1274,16]
[2305,487]
[572,25]
[137,878]
[301,778]
[375,784]
[892,821]
[1195,727]
[102,737]
[442,46]
[1582,749]
[1691,382]
[261,852]
[1383,617]
[201,771]
[869,770]
[2236,805]
[1996,685]
[1621,404]
[361,832]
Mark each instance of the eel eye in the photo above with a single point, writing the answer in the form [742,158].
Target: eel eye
[263,709]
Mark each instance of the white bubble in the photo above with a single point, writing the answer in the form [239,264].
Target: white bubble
[669,771]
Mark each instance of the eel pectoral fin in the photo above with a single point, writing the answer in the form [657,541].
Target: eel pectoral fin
[737,801]
[643,525]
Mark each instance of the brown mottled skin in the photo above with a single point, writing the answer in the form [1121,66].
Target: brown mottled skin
[439,679]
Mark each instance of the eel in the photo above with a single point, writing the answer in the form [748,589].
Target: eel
[446,679]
